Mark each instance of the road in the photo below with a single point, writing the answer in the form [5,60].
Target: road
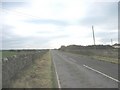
[75,71]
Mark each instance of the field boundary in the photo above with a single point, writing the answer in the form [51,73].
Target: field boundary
[13,65]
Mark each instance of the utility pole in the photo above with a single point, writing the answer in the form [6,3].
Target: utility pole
[93,35]
[111,42]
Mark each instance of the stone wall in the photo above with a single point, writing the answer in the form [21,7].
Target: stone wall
[12,65]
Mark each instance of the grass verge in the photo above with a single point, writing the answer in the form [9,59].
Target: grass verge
[54,78]
[38,75]
[107,59]
[101,58]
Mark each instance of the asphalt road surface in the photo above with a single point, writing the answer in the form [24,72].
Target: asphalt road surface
[75,71]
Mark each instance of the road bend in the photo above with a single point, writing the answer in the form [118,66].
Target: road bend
[75,71]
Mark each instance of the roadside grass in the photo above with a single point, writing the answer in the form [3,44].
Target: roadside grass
[112,60]
[0,54]
[95,57]
[54,78]
[38,75]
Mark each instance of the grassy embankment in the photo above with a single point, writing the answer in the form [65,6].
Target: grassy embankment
[39,75]
[98,57]
[108,59]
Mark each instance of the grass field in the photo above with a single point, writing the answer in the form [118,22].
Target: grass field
[8,53]
[38,75]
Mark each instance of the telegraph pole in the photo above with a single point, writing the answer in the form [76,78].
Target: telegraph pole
[111,42]
[93,35]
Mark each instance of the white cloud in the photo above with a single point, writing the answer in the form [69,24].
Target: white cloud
[55,35]
[53,9]
[34,30]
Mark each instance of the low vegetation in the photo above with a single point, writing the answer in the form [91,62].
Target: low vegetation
[98,52]
[9,53]
[38,75]
[112,60]
[95,57]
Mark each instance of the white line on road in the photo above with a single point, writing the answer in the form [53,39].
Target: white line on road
[101,73]
[72,60]
[59,86]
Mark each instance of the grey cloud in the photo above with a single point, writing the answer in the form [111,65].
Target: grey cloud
[8,5]
[12,41]
[48,21]
[102,14]
[105,17]
[107,36]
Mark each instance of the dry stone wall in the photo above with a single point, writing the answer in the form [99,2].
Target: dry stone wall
[12,65]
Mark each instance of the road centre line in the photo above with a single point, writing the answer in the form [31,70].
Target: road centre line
[101,73]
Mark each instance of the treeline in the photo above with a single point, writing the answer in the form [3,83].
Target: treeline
[18,50]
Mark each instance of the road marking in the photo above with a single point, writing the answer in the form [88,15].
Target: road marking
[101,73]
[72,60]
[59,86]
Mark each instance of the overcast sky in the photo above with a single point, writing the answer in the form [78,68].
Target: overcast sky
[52,23]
